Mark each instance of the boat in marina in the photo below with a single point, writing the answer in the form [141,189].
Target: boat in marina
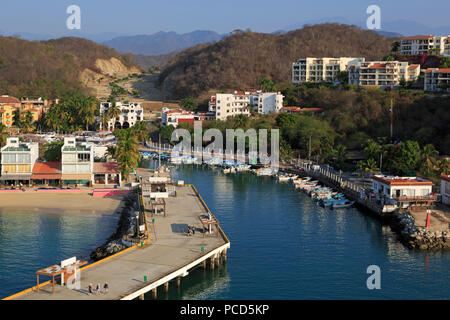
[346,204]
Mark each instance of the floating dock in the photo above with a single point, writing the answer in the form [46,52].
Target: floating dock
[167,257]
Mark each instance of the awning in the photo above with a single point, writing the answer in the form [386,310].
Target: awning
[48,176]
[15,177]
[74,176]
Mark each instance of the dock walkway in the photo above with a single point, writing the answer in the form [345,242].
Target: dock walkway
[168,256]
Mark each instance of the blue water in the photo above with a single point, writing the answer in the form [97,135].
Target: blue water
[31,241]
[285,246]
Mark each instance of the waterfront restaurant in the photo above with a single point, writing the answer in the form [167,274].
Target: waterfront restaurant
[18,159]
[47,173]
[107,173]
[77,162]
[403,192]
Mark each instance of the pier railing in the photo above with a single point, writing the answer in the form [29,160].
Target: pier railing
[337,180]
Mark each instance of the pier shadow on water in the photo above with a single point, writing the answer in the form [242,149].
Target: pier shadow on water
[199,284]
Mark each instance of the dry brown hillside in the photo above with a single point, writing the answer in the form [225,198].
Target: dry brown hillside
[240,60]
[52,68]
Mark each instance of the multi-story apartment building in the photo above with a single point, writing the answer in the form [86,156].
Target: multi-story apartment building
[238,102]
[230,104]
[130,113]
[18,159]
[437,79]
[425,44]
[77,162]
[321,69]
[382,74]
[7,107]
[266,102]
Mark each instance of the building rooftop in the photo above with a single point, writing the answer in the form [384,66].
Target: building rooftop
[106,167]
[401,181]
[8,99]
[417,38]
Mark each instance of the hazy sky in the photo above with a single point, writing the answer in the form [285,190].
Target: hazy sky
[149,16]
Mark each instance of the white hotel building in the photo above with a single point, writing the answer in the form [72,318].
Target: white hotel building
[383,74]
[232,104]
[321,69]
[130,113]
[424,44]
[437,79]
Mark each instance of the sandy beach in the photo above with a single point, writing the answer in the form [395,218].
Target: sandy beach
[74,203]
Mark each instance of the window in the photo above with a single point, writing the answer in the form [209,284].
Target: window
[9,157]
[69,157]
[69,168]
[84,157]
[23,158]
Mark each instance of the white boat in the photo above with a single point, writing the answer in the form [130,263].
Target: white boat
[346,204]
[242,167]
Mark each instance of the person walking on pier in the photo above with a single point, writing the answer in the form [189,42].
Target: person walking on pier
[106,288]
[97,291]
[90,289]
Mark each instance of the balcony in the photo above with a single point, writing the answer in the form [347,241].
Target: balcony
[415,199]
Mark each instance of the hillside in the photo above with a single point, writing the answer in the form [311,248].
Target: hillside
[241,59]
[161,42]
[51,68]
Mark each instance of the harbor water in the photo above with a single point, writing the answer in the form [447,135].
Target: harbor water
[283,246]
[30,241]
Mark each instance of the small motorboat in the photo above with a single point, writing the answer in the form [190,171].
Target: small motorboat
[345,204]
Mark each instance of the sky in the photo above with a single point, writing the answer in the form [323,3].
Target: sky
[222,16]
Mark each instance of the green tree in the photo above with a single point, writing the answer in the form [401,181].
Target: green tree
[188,104]
[267,85]
[52,150]
[17,120]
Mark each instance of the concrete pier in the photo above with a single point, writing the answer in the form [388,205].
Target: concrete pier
[170,257]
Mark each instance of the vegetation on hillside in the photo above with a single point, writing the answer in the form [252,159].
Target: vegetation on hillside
[243,58]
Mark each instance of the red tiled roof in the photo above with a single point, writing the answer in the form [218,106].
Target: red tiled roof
[46,170]
[446,178]
[106,167]
[8,99]
[378,66]
[441,70]
[417,38]
[414,66]
[47,167]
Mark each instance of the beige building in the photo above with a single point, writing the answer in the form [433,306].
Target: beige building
[425,44]
[436,79]
[321,69]
[18,159]
[383,74]
[230,104]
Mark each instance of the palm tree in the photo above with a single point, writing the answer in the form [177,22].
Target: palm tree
[114,111]
[127,151]
[368,166]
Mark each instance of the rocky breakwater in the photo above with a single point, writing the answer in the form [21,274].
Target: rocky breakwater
[418,237]
[125,227]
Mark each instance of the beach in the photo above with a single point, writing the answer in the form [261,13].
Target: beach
[82,203]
